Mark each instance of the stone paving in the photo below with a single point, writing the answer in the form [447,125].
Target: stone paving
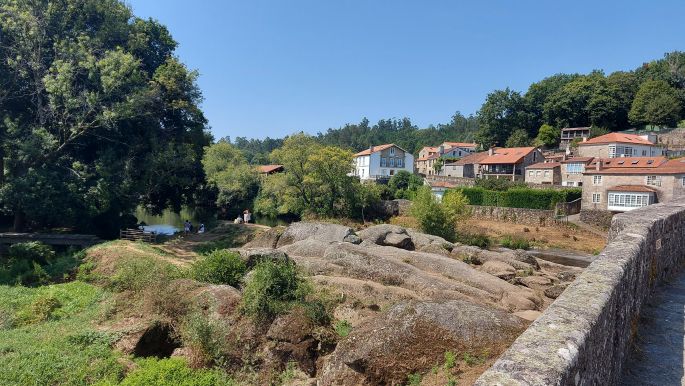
[657,358]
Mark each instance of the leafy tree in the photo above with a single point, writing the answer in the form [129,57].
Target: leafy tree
[548,136]
[655,103]
[404,184]
[568,107]
[437,165]
[596,131]
[501,114]
[328,170]
[92,99]
[368,193]
[228,171]
[431,215]
[537,95]
[456,205]
[277,198]
[519,138]
[293,155]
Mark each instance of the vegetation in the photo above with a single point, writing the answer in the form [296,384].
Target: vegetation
[172,371]
[34,263]
[220,267]
[431,215]
[404,185]
[111,120]
[514,242]
[520,197]
[343,328]
[475,239]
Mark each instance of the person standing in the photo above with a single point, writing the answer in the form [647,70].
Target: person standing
[186,227]
[247,216]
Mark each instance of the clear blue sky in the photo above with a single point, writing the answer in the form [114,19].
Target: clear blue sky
[270,68]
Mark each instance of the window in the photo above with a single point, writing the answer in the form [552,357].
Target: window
[399,162]
[596,180]
[644,153]
[596,198]
[384,162]
[575,168]
[629,200]
[546,173]
[683,181]
[654,180]
[612,151]
[392,151]
[532,173]
[538,173]
[628,152]
[392,162]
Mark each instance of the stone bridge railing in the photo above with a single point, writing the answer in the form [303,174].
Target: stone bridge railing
[584,336]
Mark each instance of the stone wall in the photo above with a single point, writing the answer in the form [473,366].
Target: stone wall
[597,217]
[533,217]
[583,337]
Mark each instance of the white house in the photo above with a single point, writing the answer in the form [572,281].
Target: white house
[615,145]
[382,161]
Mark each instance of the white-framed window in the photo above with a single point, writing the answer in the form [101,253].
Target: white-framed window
[629,200]
[532,173]
[628,152]
[596,180]
[596,198]
[399,162]
[575,168]
[644,153]
[546,173]
[654,180]
[384,162]
[392,162]
[392,151]
[538,173]
[612,151]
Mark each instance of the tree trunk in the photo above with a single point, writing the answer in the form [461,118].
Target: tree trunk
[19,221]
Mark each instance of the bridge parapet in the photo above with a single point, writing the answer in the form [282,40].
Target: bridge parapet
[583,337]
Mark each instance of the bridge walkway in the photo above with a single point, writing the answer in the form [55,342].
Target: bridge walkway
[657,357]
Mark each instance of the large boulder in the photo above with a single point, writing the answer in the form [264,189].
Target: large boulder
[317,231]
[387,235]
[414,336]
[266,239]
[422,240]
[252,256]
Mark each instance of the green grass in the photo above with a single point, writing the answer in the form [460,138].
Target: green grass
[171,371]
[343,328]
[51,352]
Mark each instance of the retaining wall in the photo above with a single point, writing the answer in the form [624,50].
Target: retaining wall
[533,217]
[583,337]
[600,218]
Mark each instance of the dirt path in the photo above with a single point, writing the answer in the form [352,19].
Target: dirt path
[224,234]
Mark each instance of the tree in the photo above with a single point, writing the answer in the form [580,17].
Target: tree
[228,171]
[547,136]
[538,93]
[437,165]
[568,106]
[431,215]
[293,155]
[656,103]
[501,114]
[368,193]
[328,170]
[456,206]
[519,138]
[92,99]
[404,184]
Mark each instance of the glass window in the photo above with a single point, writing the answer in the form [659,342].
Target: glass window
[612,151]
[538,173]
[392,162]
[383,162]
[392,151]
[399,162]
[596,180]
[628,151]
[532,173]
[546,173]
[596,198]
[654,180]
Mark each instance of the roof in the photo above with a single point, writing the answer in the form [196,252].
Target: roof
[617,138]
[461,144]
[575,128]
[544,165]
[375,149]
[430,149]
[507,155]
[473,158]
[268,168]
[631,188]
[430,157]
[441,184]
[638,165]
[577,159]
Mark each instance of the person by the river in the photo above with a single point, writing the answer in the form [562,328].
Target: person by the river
[238,220]
[201,229]
[186,226]
[247,216]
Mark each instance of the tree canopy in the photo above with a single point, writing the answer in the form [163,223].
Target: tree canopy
[97,115]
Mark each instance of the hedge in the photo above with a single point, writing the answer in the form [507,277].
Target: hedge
[520,197]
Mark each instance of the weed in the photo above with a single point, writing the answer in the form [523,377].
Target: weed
[514,242]
[204,337]
[414,379]
[450,360]
[173,371]
[220,267]
[452,382]
[478,240]
[42,309]
[343,328]
[288,374]
[273,289]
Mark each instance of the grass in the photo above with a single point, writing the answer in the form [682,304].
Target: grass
[343,328]
[513,242]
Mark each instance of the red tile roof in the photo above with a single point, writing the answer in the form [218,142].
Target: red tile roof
[544,165]
[578,159]
[507,155]
[575,128]
[617,138]
[631,188]
[375,149]
[473,158]
[638,165]
[430,149]
[268,168]
[430,157]
[461,144]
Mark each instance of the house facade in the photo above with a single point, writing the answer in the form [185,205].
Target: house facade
[572,170]
[382,161]
[509,163]
[615,145]
[624,184]
[544,173]
[569,134]
[466,167]
[446,151]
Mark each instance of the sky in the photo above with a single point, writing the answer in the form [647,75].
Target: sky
[272,68]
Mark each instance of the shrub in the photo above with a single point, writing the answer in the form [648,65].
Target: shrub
[272,289]
[220,267]
[519,197]
[343,328]
[141,273]
[456,205]
[450,360]
[31,251]
[204,336]
[172,371]
[40,310]
[431,215]
[414,379]
[476,239]
[514,242]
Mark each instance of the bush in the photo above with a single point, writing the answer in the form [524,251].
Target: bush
[514,242]
[220,267]
[32,251]
[343,328]
[273,288]
[35,263]
[205,337]
[431,215]
[477,240]
[40,310]
[520,197]
[172,371]
[142,273]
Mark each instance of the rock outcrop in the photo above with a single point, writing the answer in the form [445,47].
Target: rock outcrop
[413,336]
[317,231]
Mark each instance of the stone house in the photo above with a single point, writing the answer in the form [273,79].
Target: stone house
[466,167]
[382,162]
[623,184]
[544,173]
[509,163]
[446,151]
[572,170]
[569,134]
[614,145]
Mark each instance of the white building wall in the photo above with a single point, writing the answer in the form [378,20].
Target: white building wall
[369,167]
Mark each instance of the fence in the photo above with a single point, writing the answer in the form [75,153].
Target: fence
[137,235]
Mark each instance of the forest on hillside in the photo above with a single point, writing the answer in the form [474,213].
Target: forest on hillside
[651,94]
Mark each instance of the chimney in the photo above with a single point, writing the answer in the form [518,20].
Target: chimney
[598,165]
[491,152]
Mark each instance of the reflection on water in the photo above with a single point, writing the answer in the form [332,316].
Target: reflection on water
[168,223]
